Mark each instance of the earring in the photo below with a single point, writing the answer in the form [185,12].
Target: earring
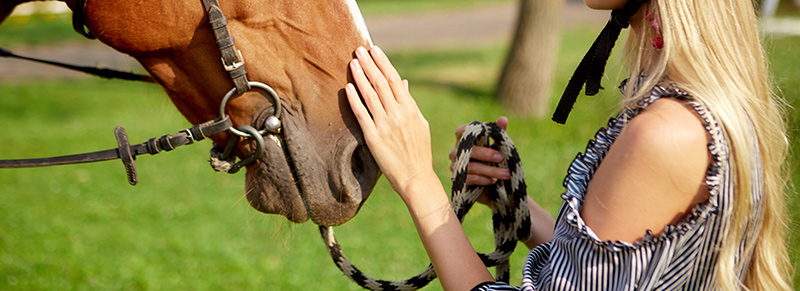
[658,41]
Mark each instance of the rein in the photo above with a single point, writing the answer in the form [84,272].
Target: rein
[127,152]
[509,203]
[222,160]
[99,72]
[78,20]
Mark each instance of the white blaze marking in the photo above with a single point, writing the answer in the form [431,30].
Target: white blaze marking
[358,20]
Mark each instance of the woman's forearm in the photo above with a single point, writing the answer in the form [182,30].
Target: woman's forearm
[542,225]
[457,265]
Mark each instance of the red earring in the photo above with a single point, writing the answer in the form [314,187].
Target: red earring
[658,41]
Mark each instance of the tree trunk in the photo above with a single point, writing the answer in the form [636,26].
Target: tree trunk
[525,84]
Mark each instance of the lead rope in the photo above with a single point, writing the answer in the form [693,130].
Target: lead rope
[509,204]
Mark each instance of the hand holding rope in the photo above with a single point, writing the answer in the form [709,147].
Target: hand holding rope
[509,203]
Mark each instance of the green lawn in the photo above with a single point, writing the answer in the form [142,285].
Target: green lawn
[186,227]
[785,56]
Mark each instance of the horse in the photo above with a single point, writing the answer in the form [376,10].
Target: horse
[318,167]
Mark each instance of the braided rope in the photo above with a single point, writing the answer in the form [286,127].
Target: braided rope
[509,204]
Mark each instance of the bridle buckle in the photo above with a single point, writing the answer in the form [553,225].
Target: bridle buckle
[235,65]
[188,135]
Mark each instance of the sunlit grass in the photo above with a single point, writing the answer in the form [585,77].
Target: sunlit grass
[37,29]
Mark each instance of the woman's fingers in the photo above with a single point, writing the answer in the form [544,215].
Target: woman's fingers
[460,131]
[480,153]
[395,83]
[502,121]
[361,113]
[372,98]
[478,171]
[375,78]
[476,180]
[492,172]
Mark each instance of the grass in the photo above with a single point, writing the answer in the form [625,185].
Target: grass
[187,228]
[38,29]
[785,61]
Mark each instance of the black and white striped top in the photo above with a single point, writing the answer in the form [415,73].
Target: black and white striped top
[682,257]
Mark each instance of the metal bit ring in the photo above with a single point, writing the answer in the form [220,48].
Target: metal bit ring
[259,85]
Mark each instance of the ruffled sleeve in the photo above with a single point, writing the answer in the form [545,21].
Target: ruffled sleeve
[492,286]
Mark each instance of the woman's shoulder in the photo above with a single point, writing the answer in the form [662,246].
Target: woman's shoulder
[670,136]
[667,125]
[653,174]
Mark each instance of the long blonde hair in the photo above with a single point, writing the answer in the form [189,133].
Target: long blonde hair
[712,49]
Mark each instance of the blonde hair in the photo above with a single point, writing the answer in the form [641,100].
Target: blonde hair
[712,49]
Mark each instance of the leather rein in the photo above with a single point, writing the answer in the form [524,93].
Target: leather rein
[233,63]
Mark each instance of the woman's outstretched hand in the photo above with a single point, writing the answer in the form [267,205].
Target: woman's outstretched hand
[394,129]
[399,138]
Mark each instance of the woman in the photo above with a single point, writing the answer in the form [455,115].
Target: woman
[685,187]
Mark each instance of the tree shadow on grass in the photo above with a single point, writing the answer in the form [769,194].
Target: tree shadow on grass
[465,91]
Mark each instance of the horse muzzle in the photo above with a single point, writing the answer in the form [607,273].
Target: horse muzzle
[304,176]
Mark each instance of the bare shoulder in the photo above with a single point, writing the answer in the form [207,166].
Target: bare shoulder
[667,126]
[653,174]
[668,139]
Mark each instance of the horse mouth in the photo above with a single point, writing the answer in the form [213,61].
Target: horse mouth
[301,177]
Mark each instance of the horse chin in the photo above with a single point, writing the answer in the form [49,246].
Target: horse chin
[296,178]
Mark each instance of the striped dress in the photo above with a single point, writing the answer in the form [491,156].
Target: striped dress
[682,257]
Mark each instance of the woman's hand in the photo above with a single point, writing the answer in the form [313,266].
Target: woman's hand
[394,129]
[398,136]
[478,172]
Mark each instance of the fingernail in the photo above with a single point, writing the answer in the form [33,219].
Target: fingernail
[350,88]
[361,51]
[377,51]
[505,175]
[494,180]
[354,65]
[497,158]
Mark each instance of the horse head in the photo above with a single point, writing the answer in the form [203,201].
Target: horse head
[318,167]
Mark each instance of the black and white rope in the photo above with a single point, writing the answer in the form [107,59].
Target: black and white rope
[508,201]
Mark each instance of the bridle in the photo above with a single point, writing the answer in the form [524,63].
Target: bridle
[233,63]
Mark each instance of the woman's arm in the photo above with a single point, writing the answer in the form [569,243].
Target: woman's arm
[542,225]
[399,138]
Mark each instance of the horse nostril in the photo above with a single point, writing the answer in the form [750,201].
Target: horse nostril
[364,168]
[355,172]
[357,163]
